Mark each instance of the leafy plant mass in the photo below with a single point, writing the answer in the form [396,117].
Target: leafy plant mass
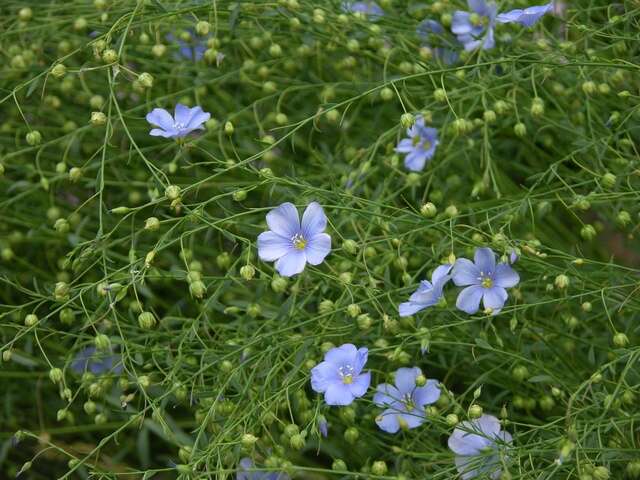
[272,240]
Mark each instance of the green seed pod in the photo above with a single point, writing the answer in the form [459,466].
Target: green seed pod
[110,56]
[561,282]
[61,291]
[407,120]
[102,342]
[145,79]
[475,411]
[147,320]
[59,70]
[247,272]
[197,289]
[351,435]
[338,465]
[620,340]
[55,374]
[34,138]
[379,468]
[520,129]
[452,419]
[30,320]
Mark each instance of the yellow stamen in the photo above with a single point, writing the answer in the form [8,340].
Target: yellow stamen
[347,379]
[487,282]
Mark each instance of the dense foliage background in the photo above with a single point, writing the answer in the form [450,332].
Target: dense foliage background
[538,154]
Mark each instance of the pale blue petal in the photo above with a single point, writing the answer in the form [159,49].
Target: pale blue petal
[387,395]
[405,379]
[464,442]
[428,394]
[291,263]
[388,421]
[338,394]
[405,146]
[361,359]
[481,7]
[485,260]
[171,133]
[469,299]
[182,114]
[441,274]
[272,246]
[465,273]
[505,276]
[161,118]
[342,355]
[314,220]
[284,220]
[414,419]
[407,309]
[360,384]
[487,425]
[489,40]
[317,248]
[461,23]
[416,160]
[527,17]
[494,298]
[323,375]
[198,117]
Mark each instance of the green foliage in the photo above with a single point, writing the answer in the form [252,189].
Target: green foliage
[146,247]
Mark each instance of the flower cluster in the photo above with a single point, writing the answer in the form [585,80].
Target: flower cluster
[483,279]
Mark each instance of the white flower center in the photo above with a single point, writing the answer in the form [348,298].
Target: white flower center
[407,400]
[179,126]
[299,242]
[346,373]
[485,280]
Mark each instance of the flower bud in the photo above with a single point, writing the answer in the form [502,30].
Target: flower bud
[353,310]
[407,120]
[297,441]
[89,407]
[379,468]
[421,380]
[600,473]
[172,192]
[452,419]
[589,87]
[440,95]
[59,70]
[110,56]
[25,14]
[489,116]
[145,79]
[275,50]
[34,138]
[633,469]
[229,128]
[102,342]
[55,374]
[588,232]
[197,289]
[152,224]
[520,373]
[547,403]
[146,320]
[279,284]
[520,129]
[254,310]
[248,440]
[620,340]
[608,180]
[386,94]
[451,211]
[351,435]
[202,28]
[475,411]
[239,195]
[537,107]
[158,50]
[561,281]
[98,119]
[61,291]
[428,210]
[30,320]
[247,272]
[6,355]
[623,218]
[338,465]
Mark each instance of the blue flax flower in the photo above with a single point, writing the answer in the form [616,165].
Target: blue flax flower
[340,375]
[477,445]
[475,29]
[420,146]
[246,472]
[404,401]
[189,50]
[484,280]
[428,293]
[185,121]
[290,243]
[97,362]
[367,8]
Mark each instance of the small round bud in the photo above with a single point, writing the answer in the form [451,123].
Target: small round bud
[279,284]
[34,138]
[67,316]
[98,118]
[152,224]
[608,180]
[428,210]
[25,14]
[6,355]
[202,28]
[421,380]
[61,291]
[353,310]
[75,174]
[248,440]
[561,281]
[620,340]
[59,70]
[440,95]
[89,407]
[158,50]
[600,473]
[145,80]
[239,195]
[197,289]
[520,373]
[229,128]
[351,435]
[102,342]
[350,246]
[589,87]
[338,465]
[451,211]
[31,320]
[275,50]
[61,225]
[520,129]
[475,411]
[110,56]
[146,320]
[633,469]
[172,192]
[452,419]
[588,232]
[297,441]
[407,120]
[547,403]
[386,94]
[55,374]
[247,272]
[379,468]
[623,218]
[489,116]
[537,107]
